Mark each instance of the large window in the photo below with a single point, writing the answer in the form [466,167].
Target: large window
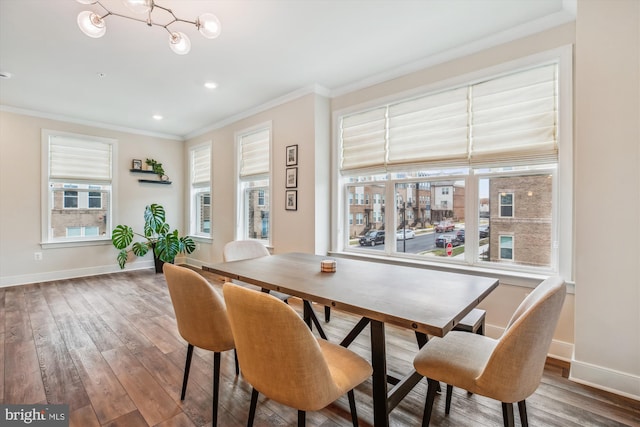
[200,166]
[78,186]
[473,170]
[254,147]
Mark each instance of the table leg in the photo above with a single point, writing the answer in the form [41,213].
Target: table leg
[379,364]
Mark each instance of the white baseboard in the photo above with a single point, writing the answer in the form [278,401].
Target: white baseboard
[70,274]
[622,383]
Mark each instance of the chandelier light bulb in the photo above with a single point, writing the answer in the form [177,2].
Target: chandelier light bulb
[91,24]
[209,25]
[179,43]
[139,6]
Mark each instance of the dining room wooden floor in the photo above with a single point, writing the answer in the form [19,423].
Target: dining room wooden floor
[108,346]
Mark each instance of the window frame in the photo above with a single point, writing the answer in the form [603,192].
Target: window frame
[46,198]
[198,190]
[562,222]
[243,184]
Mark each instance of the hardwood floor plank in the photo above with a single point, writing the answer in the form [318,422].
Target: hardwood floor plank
[22,379]
[60,378]
[108,398]
[83,417]
[109,347]
[153,403]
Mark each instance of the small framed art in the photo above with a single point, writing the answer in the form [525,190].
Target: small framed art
[292,155]
[291,197]
[292,178]
[136,164]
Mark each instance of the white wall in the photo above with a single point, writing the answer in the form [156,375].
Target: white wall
[302,121]
[20,199]
[607,177]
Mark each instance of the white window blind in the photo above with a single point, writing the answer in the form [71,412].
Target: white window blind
[429,128]
[514,118]
[201,166]
[503,121]
[254,153]
[74,158]
[364,139]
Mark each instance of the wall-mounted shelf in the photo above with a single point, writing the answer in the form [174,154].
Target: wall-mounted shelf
[153,181]
[141,171]
[150,181]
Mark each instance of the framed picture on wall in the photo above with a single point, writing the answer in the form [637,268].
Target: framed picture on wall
[291,197]
[136,164]
[292,178]
[292,155]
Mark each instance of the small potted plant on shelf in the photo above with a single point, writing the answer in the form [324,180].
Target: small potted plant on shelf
[158,238]
[157,169]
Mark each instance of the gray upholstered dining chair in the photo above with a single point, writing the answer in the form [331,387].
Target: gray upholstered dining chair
[202,321]
[507,369]
[282,359]
[238,250]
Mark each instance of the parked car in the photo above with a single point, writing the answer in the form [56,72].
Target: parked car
[372,238]
[484,231]
[444,226]
[460,235]
[405,234]
[443,239]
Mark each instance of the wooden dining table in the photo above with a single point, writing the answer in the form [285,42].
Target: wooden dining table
[427,301]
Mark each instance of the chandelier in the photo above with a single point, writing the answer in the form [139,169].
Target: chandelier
[93,25]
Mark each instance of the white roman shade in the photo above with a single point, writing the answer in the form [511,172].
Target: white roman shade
[201,166]
[513,118]
[77,159]
[430,128]
[254,153]
[363,138]
[504,121]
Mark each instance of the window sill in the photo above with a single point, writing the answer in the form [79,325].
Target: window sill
[523,279]
[74,243]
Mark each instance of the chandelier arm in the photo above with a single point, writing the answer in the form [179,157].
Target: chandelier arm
[175,18]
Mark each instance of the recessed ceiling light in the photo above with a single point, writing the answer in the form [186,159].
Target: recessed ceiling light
[157,117]
[5,75]
[211,85]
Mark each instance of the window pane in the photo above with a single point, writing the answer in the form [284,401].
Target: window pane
[430,216]
[515,219]
[257,212]
[369,228]
[89,216]
[203,212]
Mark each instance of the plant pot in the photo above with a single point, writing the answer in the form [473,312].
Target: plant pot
[159,263]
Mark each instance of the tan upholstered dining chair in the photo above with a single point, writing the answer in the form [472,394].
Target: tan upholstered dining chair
[282,359]
[507,369]
[202,321]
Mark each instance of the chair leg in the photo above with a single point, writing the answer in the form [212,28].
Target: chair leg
[352,407]
[235,357]
[252,408]
[507,414]
[522,407]
[327,313]
[447,406]
[187,366]
[302,418]
[432,389]
[216,388]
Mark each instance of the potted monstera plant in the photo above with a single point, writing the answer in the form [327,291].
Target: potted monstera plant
[157,237]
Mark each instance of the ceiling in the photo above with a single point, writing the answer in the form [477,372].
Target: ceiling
[268,50]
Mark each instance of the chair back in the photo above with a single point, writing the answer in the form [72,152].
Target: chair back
[278,354]
[244,249]
[515,367]
[200,311]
